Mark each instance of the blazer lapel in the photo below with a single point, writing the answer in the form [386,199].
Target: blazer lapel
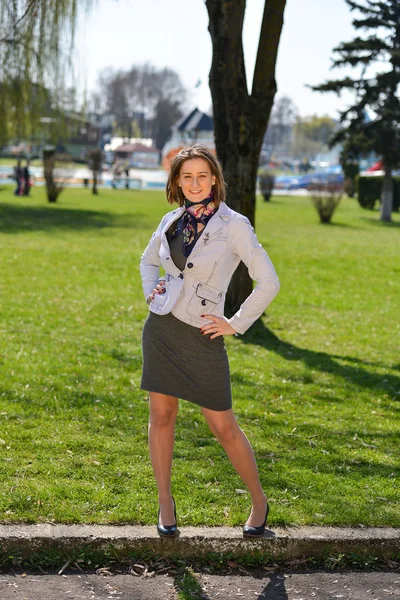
[215,226]
[174,217]
[165,251]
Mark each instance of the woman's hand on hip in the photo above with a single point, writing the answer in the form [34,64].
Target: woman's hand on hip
[159,289]
[219,326]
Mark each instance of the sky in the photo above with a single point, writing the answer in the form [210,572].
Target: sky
[173,33]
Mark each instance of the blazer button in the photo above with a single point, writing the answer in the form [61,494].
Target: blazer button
[181,276]
[190,265]
[203,302]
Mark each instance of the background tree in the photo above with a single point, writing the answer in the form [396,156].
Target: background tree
[377,93]
[95,162]
[240,117]
[36,39]
[278,138]
[311,136]
[143,89]
[36,42]
[53,186]
[319,129]
[353,149]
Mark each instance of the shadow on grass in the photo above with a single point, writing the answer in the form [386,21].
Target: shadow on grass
[357,469]
[131,363]
[45,218]
[323,362]
[341,225]
[376,221]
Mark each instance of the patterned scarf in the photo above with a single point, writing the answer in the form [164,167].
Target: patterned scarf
[193,221]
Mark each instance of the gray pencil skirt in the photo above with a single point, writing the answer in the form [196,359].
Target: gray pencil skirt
[180,361]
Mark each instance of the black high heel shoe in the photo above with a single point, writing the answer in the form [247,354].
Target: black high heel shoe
[254,532]
[167,531]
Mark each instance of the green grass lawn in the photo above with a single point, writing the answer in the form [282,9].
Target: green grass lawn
[35,162]
[316,384]
[11,162]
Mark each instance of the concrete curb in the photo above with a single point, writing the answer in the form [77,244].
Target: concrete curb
[196,542]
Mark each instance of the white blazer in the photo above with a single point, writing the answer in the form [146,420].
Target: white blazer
[200,288]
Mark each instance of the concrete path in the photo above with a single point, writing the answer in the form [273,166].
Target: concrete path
[194,542]
[277,585]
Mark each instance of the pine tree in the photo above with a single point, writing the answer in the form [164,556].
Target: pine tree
[376,93]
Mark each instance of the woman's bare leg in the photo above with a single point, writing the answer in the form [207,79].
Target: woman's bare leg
[224,426]
[162,417]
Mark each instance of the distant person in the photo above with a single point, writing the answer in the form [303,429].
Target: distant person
[18,176]
[127,178]
[116,177]
[26,179]
[199,245]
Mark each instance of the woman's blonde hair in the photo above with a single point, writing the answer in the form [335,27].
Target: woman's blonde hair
[174,192]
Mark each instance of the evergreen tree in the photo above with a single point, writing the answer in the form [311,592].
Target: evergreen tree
[376,93]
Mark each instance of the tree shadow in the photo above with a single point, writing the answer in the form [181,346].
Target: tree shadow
[356,470]
[46,218]
[131,363]
[321,361]
[341,225]
[376,221]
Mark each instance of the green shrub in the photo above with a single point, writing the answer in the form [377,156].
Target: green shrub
[266,180]
[369,192]
[326,197]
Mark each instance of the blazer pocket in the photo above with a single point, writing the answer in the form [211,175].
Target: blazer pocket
[204,300]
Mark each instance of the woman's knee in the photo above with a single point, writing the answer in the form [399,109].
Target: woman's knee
[162,415]
[225,432]
[162,418]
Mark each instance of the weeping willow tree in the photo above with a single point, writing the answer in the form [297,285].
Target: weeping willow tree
[36,41]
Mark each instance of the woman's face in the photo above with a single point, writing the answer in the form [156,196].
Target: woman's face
[195,179]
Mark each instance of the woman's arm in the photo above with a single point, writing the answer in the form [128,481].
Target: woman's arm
[150,261]
[261,270]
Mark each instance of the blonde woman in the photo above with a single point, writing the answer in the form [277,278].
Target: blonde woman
[199,246]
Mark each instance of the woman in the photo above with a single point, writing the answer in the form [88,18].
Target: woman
[199,245]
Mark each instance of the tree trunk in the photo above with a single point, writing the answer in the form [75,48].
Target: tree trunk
[387,194]
[240,172]
[94,188]
[240,118]
[95,162]
[53,190]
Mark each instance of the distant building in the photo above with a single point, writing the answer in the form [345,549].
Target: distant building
[195,127]
[138,155]
[82,136]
